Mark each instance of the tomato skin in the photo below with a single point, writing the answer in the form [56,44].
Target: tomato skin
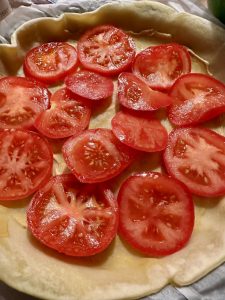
[96,155]
[21,100]
[135,94]
[139,131]
[89,85]
[116,46]
[195,155]
[50,62]
[68,116]
[148,200]
[154,64]
[26,161]
[64,210]
[196,98]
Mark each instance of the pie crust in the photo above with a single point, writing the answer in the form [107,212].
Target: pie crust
[119,272]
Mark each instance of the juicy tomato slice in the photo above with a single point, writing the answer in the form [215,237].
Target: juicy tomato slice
[50,62]
[159,66]
[135,94]
[21,100]
[139,131]
[66,117]
[96,155]
[106,50]
[196,98]
[73,218]
[196,157]
[25,163]
[89,85]
[156,213]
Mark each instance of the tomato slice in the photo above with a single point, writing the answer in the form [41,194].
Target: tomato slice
[25,163]
[66,117]
[196,157]
[89,85]
[106,50]
[196,98]
[135,94]
[156,213]
[159,66]
[73,218]
[50,62]
[139,131]
[21,100]
[96,155]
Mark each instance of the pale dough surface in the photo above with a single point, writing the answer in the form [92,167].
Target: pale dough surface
[119,272]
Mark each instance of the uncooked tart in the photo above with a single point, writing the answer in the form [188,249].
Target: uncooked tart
[119,272]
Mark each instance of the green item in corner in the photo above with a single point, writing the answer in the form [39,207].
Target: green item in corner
[217,7]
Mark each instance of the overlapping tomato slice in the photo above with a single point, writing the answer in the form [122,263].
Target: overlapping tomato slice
[106,49]
[96,155]
[196,157]
[67,116]
[73,218]
[21,100]
[25,163]
[139,131]
[50,62]
[156,213]
[159,66]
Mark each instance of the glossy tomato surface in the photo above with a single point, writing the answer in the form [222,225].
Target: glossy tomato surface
[159,66]
[25,163]
[67,116]
[106,50]
[50,62]
[156,213]
[139,131]
[89,85]
[196,157]
[135,94]
[21,100]
[73,218]
[196,98]
[96,155]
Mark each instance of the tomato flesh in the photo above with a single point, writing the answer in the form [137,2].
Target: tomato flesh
[156,213]
[89,85]
[21,100]
[73,218]
[106,50]
[139,131]
[66,117]
[196,98]
[135,94]
[25,163]
[159,66]
[196,157]
[96,155]
[50,62]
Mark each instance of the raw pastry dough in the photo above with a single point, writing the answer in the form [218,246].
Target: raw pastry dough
[119,272]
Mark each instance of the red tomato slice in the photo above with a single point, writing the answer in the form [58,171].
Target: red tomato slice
[96,155]
[135,94]
[196,157]
[139,131]
[65,118]
[106,50]
[89,85]
[196,98]
[25,163]
[159,66]
[73,218]
[21,100]
[50,62]
[156,213]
